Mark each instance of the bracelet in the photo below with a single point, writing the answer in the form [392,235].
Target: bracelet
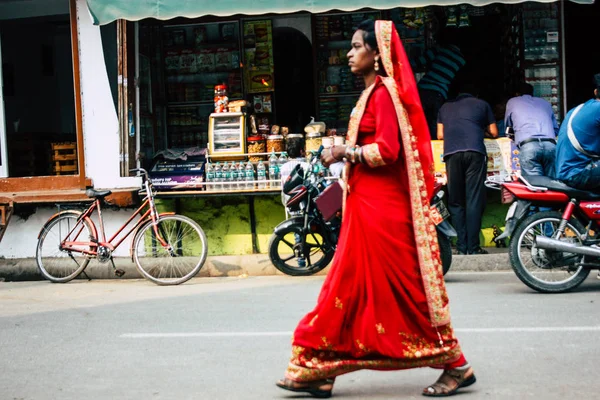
[360,155]
[354,154]
[350,153]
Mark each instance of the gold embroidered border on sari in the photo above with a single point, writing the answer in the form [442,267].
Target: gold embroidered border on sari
[309,365]
[372,156]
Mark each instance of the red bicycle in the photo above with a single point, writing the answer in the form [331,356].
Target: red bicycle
[167,248]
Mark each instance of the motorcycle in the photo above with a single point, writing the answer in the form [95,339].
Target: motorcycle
[305,243]
[550,251]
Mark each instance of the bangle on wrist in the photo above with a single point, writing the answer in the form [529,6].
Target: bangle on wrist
[350,153]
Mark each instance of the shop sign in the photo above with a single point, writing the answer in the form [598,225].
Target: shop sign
[552,37]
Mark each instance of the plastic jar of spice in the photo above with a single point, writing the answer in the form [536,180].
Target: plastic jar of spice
[275,143]
[221,99]
[313,142]
[256,144]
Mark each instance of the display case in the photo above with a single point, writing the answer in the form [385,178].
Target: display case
[227,135]
[196,58]
[541,52]
[337,88]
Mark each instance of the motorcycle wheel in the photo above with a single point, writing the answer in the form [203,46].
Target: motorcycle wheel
[445,251]
[289,246]
[547,271]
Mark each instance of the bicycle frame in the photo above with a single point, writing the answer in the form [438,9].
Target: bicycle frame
[82,247]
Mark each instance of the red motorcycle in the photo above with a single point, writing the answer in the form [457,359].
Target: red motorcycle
[550,251]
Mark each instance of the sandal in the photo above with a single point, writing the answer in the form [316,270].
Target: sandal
[315,388]
[450,381]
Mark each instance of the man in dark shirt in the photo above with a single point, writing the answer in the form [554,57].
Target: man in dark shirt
[462,124]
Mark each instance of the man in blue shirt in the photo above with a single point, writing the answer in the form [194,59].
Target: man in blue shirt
[580,167]
[442,63]
[462,124]
[535,128]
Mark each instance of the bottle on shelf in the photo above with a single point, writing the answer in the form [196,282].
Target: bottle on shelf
[261,174]
[249,175]
[218,177]
[226,176]
[283,158]
[233,170]
[273,169]
[241,175]
[210,175]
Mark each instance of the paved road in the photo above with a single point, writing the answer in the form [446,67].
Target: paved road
[229,338]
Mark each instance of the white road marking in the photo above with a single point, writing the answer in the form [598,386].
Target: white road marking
[539,329]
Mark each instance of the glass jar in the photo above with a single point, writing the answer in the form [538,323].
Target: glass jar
[313,142]
[295,141]
[327,142]
[221,99]
[275,143]
[339,140]
[256,144]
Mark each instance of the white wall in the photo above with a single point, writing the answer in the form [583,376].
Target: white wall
[101,140]
[100,120]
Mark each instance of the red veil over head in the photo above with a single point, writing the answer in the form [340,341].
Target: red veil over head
[398,68]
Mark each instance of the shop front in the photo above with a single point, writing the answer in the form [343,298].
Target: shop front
[286,68]
[279,64]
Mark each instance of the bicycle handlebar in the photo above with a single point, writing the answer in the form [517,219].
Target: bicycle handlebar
[142,170]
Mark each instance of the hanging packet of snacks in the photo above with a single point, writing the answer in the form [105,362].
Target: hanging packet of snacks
[452,21]
[463,20]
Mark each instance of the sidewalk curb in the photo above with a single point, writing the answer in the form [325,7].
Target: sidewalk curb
[25,269]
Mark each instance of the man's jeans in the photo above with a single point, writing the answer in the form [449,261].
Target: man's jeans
[537,158]
[588,179]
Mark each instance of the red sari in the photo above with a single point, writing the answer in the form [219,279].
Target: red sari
[383,305]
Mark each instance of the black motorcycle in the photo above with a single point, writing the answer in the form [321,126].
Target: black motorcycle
[305,243]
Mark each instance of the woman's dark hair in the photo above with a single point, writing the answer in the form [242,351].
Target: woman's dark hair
[368,28]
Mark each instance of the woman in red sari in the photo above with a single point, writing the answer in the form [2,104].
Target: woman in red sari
[383,305]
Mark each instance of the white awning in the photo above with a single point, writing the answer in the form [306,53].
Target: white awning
[106,11]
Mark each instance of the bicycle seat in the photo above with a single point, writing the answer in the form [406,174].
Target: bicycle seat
[97,194]
[556,185]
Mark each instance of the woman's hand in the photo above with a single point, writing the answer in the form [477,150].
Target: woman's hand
[332,155]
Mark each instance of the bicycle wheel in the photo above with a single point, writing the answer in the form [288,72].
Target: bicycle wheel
[56,263]
[182,257]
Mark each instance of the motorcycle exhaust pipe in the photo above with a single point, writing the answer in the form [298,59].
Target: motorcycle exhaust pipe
[552,244]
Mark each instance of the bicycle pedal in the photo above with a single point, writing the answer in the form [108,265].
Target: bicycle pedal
[119,272]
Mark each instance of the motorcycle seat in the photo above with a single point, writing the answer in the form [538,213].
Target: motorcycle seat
[558,186]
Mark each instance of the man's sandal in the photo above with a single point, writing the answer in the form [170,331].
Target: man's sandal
[450,381]
[320,389]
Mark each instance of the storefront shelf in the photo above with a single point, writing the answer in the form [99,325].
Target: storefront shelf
[202,193]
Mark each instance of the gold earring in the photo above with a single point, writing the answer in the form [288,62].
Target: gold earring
[376,66]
